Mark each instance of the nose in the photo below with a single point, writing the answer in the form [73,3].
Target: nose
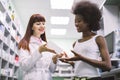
[42,26]
[76,24]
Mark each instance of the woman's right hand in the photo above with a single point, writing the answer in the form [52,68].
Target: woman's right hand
[65,61]
[44,48]
[55,58]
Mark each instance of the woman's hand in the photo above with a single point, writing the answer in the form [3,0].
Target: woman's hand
[44,48]
[75,58]
[65,60]
[78,56]
[64,57]
[64,54]
[55,58]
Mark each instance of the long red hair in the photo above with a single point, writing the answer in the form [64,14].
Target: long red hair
[24,43]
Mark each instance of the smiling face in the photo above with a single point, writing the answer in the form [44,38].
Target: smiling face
[38,28]
[80,24]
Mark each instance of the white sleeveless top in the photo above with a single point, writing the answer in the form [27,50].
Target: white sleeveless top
[88,49]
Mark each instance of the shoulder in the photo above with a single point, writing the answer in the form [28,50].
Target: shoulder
[100,39]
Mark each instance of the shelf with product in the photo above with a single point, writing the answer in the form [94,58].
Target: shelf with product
[9,38]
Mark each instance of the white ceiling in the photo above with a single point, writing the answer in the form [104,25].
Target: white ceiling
[25,8]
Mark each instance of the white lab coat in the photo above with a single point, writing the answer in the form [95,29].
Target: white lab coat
[36,66]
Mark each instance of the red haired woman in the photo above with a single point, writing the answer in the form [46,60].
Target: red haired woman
[36,59]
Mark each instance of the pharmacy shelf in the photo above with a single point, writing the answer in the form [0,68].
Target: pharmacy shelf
[9,38]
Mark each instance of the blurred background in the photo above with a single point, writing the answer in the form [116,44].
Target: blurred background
[60,29]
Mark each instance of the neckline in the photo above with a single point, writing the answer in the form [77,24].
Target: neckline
[37,39]
[86,40]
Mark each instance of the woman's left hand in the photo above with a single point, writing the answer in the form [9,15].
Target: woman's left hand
[65,60]
[78,56]
[55,57]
